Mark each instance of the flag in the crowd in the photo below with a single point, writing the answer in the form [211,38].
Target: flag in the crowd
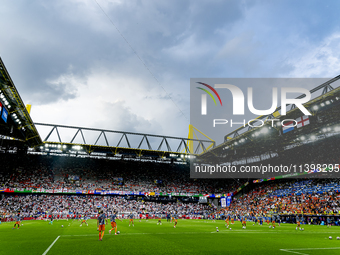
[302,121]
[4,114]
[0,107]
[228,201]
[289,126]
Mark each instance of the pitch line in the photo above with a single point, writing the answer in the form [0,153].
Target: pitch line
[306,249]
[293,252]
[51,246]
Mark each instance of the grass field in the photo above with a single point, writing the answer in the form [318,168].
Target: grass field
[190,237]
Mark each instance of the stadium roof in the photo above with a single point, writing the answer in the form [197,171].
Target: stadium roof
[17,126]
[15,121]
[87,142]
[269,139]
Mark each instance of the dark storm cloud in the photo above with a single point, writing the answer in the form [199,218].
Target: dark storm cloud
[46,40]
[46,43]
[56,50]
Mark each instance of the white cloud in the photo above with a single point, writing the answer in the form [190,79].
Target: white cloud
[321,60]
[109,100]
[189,49]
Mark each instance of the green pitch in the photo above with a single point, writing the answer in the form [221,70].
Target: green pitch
[190,237]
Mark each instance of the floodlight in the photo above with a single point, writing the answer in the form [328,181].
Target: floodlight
[264,130]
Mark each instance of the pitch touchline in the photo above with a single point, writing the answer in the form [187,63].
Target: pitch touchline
[51,246]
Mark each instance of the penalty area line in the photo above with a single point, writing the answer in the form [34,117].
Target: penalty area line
[51,246]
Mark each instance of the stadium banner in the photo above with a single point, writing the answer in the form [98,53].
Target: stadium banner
[202,200]
[110,192]
[22,191]
[223,202]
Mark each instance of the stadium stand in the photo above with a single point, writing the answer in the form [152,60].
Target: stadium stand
[37,184]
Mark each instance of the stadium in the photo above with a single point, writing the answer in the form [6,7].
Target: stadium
[271,186]
[54,186]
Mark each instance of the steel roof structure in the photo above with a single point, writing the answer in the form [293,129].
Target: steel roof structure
[19,124]
[117,143]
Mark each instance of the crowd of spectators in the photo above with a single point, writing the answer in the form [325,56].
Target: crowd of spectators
[53,173]
[71,205]
[298,196]
[313,197]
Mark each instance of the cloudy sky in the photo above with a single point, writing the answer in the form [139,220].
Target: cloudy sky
[126,65]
